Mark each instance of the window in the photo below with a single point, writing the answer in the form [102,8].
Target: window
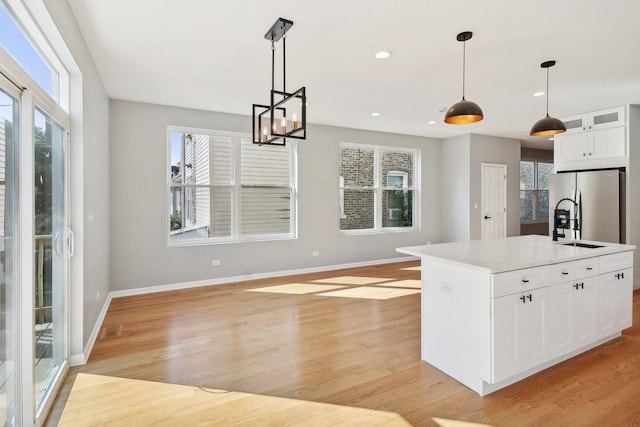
[377,187]
[23,50]
[223,188]
[534,190]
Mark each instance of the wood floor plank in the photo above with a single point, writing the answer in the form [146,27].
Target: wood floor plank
[346,351]
[110,401]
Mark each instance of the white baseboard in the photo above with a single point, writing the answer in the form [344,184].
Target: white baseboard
[81,359]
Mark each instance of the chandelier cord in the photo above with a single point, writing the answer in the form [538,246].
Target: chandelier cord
[273,66]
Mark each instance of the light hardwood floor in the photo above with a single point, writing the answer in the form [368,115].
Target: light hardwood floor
[345,350]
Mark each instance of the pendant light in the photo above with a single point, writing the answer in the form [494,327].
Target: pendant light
[463,112]
[547,125]
[286,115]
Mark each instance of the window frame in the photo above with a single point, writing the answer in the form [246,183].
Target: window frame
[536,191]
[235,185]
[379,190]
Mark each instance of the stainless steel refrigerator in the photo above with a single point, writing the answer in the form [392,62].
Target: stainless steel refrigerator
[599,207]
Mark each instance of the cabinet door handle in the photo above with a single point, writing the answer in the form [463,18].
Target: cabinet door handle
[523,299]
[525,280]
[564,273]
[576,286]
[579,285]
[487,217]
[622,275]
[530,298]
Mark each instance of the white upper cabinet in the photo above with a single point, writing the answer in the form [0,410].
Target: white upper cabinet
[593,140]
[603,119]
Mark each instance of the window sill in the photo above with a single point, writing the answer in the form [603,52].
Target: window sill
[209,242]
[379,231]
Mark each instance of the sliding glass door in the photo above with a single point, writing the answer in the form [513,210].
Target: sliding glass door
[34,234]
[9,253]
[49,140]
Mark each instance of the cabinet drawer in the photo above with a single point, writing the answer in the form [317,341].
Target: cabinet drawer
[615,262]
[519,281]
[573,270]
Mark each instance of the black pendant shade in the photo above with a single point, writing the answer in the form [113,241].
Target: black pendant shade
[463,112]
[547,125]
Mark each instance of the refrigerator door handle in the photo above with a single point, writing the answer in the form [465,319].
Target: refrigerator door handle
[572,215]
[578,216]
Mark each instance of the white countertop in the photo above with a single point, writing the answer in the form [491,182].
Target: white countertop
[511,253]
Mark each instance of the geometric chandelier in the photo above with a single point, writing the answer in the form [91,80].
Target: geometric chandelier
[286,114]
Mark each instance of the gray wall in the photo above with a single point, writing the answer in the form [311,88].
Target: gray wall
[493,149]
[462,159]
[139,253]
[454,198]
[89,181]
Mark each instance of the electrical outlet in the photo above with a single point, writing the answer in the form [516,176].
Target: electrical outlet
[315,253]
[446,288]
[216,262]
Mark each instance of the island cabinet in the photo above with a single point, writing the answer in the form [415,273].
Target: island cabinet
[519,321]
[488,323]
[615,283]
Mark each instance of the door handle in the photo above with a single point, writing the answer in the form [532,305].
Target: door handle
[487,217]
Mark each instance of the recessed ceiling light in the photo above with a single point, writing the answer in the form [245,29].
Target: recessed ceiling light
[383,54]
[538,94]
[432,122]
[375,114]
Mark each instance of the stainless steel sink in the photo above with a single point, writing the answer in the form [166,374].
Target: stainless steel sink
[583,245]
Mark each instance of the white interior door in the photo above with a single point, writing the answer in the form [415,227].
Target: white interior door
[494,201]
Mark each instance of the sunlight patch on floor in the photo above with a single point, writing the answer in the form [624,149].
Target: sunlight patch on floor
[368,292]
[353,280]
[442,422]
[295,288]
[109,401]
[409,283]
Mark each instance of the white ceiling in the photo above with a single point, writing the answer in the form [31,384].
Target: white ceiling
[212,55]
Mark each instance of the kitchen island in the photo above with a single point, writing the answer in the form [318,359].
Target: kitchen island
[497,311]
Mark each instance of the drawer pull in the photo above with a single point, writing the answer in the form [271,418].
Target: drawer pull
[523,298]
[564,273]
[589,268]
[525,280]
